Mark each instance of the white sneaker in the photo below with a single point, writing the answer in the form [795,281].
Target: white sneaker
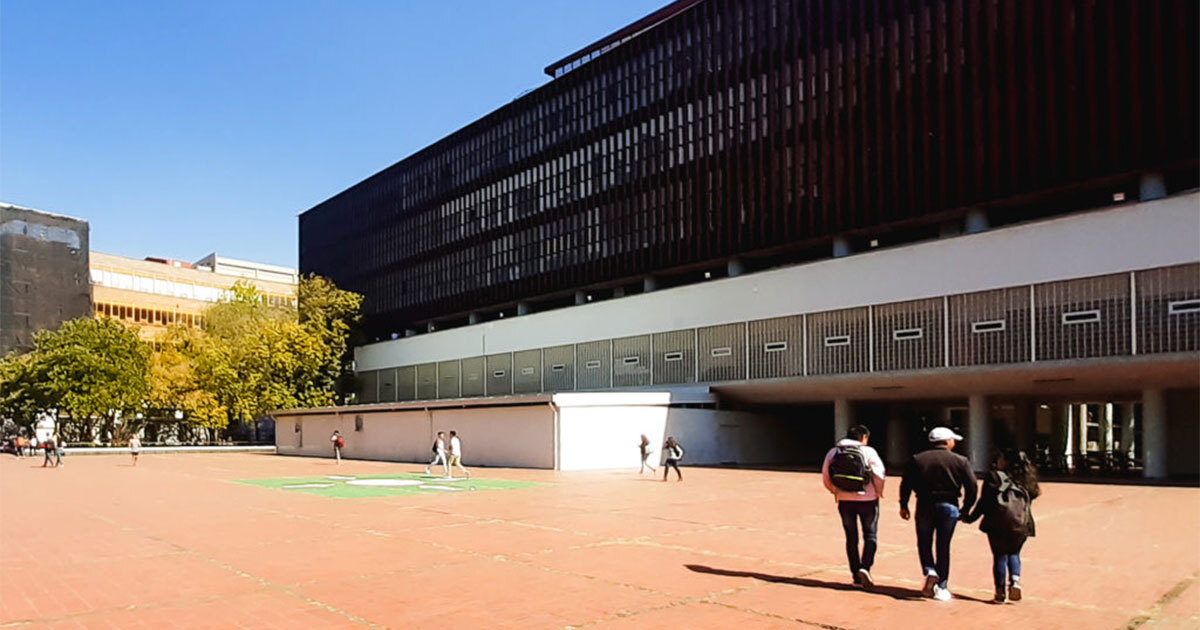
[941,594]
[426,470]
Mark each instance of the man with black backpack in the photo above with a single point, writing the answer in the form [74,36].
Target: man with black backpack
[854,473]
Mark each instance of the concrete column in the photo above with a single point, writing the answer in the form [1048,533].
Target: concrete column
[1106,428]
[522,308]
[976,220]
[841,247]
[1081,433]
[1154,434]
[1060,439]
[735,268]
[1127,429]
[898,450]
[979,431]
[843,417]
[473,318]
[1152,186]
[649,283]
[580,298]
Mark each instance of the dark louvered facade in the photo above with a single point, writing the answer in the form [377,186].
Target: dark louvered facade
[762,129]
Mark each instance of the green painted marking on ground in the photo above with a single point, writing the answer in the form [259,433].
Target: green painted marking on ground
[358,486]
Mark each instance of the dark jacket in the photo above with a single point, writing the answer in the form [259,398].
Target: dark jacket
[939,476]
[988,505]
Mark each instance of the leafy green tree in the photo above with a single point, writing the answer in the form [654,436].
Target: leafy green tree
[175,386]
[333,315]
[23,395]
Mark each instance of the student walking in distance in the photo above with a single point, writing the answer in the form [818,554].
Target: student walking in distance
[338,442]
[938,476]
[645,448]
[60,449]
[1008,493]
[854,473]
[455,456]
[439,454]
[673,453]
[50,449]
[135,448]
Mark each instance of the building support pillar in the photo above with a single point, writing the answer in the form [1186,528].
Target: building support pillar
[843,418]
[1081,435]
[976,221]
[1060,435]
[841,246]
[473,318]
[649,283]
[1105,440]
[898,450]
[1128,417]
[1154,434]
[522,308]
[735,268]
[580,298]
[979,431]
[1151,186]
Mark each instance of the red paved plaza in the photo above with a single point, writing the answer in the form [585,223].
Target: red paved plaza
[175,543]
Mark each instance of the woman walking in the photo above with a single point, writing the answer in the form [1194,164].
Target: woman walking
[1008,493]
[135,448]
[645,448]
[673,453]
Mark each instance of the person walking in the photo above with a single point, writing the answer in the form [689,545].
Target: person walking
[938,476]
[61,446]
[673,453]
[50,449]
[135,448]
[644,447]
[1008,493]
[455,456]
[853,472]
[338,442]
[439,454]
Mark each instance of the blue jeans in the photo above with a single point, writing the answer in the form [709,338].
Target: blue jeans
[852,513]
[939,518]
[1006,557]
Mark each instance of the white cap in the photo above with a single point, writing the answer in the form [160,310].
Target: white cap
[941,434]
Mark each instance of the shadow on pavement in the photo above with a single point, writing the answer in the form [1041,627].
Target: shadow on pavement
[895,592]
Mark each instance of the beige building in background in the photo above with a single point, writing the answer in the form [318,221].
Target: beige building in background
[154,293]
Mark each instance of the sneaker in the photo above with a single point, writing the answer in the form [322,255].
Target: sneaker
[1000,597]
[930,588]
[427,471]
[864,578]
[942,594]
[1014,590]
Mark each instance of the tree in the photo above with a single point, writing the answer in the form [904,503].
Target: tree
[333,315]
[93,369]
[174,385]
[23,397]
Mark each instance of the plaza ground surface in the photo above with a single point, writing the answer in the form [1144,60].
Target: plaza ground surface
[181,541]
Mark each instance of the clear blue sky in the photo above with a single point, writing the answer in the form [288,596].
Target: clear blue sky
[180,127]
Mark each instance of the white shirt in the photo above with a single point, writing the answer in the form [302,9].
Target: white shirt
[455,446]
[441,446]
[134,443]
[873,489]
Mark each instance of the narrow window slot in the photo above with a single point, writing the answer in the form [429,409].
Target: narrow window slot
[722,352]
[775,346]
[526,371]
[591,365]
[498,374]
[630,360]
[1080,317]
[673,356]
[558,367]
[908,333]
[993,325]
[837,340]
[1183,307]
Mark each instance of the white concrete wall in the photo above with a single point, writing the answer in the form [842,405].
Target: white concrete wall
[492,436]
[1124,238]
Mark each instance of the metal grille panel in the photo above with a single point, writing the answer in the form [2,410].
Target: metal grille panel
[499,374]
[406,383]
[675,357]
[558,368]
[449,379]
[722,353]
[777,347]
[837,342]
[527,372]
[1168,316]
[472,376]
[631,361]
[594,364]
[387,385]
[990,327]
[908,335]
[1078,319]
[427,381]
[368,386]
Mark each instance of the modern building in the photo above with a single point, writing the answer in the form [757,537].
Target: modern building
[951,212]
[157,292]
[43,273]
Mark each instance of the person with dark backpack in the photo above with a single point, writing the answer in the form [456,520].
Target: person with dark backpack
[672,454]
[853,472]
[1008,492]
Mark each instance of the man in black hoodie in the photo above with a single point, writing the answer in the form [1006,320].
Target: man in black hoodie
[938,476]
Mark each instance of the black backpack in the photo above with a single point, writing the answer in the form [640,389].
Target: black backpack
[848,469]
[1012,507]
[435,447]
